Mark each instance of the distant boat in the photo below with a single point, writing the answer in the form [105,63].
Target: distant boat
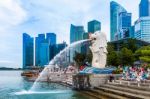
[30,73]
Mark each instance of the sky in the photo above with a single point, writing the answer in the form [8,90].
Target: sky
[43,16]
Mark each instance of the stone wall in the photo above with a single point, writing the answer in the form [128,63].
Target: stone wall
[98,79]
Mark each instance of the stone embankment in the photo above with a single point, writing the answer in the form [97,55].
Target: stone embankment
[120,89]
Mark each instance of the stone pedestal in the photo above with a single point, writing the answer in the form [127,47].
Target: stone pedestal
[87,81]
[98,79]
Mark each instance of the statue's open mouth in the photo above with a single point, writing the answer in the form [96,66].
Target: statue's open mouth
[92,39]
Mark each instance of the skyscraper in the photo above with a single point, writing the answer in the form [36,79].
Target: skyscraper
[45,48]
[60,47]
[115,9]
[51,37]
[142,29]
[76,34]
[85,46]
[63,60]
[124,25]
[94,26]
[44,53]
[86,35]
[41,50]
[144,8]
[38,41]
[28,51]
[132,32]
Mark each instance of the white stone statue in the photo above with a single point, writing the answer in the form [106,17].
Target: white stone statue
[98,48]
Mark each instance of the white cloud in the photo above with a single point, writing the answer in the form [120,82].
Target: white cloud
[41,16]
[11,13]
[57,15]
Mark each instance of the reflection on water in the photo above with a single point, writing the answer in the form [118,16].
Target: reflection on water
[13,86]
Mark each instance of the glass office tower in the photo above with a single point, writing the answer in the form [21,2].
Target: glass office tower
[132,32]
[41,50]
[28,51]
[38,41]
[51,37]
[63,60]
[124,25]
[45,46]
[115,9]
[144,8]
[76,34]
[44,53]
[142,29]
[94,26]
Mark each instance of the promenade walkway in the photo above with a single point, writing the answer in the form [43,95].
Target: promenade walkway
[120,89]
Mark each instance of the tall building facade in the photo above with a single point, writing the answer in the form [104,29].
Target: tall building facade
[38,41]
[51,37]
[28,51]
[44,53]
[142,29]
[76,34]
[42,48]
[115,9]
[63,59]
[60,47]
[94,26]
[132,31]
[124,25]
[45,49]
[144,8]
[85,46]
[86,35]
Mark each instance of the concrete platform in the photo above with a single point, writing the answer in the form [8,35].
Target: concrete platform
[98,79]
[113,90]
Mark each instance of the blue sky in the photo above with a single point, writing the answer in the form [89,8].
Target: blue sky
[42,16]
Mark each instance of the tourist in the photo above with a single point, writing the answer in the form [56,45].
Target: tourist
[82,67]
[111,78]
[135,73]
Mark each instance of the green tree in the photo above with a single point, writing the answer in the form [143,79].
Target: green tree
[79,58]
[110,47]
[123,45]
[143,54]
[112,56]
[126,56]
[89,57]
[132,45]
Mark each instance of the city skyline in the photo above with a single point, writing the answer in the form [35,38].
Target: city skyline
[36,17]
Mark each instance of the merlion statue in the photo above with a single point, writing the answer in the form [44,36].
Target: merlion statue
[98,48]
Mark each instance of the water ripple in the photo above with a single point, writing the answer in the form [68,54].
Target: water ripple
[23,92]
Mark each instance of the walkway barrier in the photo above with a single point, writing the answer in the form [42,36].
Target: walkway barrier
[131,83]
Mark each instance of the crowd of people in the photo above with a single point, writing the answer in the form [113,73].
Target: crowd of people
[135,73]
[58,69]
